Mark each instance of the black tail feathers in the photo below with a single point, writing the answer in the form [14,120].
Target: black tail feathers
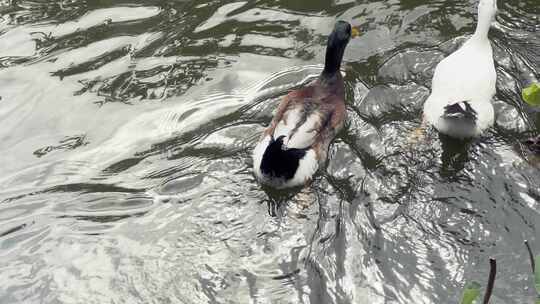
[460,110]
[280,162]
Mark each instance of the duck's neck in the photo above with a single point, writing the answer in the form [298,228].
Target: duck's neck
[332,64]
[482,28]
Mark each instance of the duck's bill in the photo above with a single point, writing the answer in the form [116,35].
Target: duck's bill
[355,32]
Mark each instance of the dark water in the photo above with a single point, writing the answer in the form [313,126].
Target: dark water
[126,133]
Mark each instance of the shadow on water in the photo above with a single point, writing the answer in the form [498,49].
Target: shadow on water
[454,156]
[127,130]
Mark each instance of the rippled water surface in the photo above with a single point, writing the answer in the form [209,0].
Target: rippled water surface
[125,141]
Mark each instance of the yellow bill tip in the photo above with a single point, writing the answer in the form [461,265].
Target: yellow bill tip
[355,32]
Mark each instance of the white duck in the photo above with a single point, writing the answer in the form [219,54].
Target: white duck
[460,104]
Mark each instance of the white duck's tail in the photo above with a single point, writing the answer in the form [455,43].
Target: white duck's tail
[461,120]
[460,111]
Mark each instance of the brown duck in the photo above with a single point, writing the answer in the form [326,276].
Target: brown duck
[295,145]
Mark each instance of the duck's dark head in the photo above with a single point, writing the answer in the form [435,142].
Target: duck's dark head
[337,42]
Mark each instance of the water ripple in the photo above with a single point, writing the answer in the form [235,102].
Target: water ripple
[126,142]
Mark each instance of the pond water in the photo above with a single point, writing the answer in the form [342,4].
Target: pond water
[126,136]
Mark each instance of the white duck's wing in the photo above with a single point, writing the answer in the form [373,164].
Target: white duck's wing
[462,90]
[466,75]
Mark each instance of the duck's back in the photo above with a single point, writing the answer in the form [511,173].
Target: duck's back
[467,74]
[306,115]
[462,89]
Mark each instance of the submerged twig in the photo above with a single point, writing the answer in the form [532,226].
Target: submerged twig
[531,255]
[491,279]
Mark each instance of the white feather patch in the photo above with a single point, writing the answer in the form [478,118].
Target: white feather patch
[301,137]
[306,134]
[306,169]
[285,127]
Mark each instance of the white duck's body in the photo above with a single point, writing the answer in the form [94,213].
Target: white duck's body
[460,104]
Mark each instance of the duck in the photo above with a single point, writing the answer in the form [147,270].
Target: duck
[295,144]
[463,85]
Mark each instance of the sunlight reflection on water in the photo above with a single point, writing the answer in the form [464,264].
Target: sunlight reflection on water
[126,138]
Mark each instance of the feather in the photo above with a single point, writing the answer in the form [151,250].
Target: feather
[279,161]
[460,111]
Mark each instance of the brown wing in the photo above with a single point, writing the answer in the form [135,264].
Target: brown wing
[339,114]
[288,101]
[333,125]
